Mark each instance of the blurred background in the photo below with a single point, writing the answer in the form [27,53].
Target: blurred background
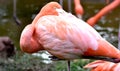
[26,11]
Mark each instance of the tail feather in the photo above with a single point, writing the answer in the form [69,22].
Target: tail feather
[104,49]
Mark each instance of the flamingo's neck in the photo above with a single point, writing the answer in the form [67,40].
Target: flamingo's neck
[107,9]
[92,21]
[27,41]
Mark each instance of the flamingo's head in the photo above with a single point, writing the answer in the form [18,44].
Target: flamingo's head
[50,9]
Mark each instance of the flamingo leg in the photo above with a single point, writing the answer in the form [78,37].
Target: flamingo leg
[119,38]
[69,6]
[68,68]
[70,10]
[18,22]
[54,58]
[61,2]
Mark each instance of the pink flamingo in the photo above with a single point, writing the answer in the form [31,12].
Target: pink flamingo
[64,38]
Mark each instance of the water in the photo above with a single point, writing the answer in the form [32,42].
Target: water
[26,11]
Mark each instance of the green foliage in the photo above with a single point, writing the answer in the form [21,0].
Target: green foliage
[24,62]
[29,62]
[60,66]
[76,65]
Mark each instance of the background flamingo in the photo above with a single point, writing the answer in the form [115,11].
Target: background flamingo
[100,65]
[78,8]
[92,21]
[54,37]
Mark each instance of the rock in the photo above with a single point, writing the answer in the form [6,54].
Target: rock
[7,48]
